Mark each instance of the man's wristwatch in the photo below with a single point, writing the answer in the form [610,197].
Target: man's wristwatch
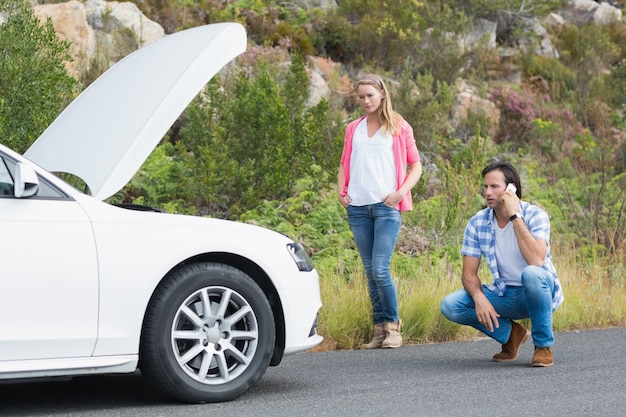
[517,215]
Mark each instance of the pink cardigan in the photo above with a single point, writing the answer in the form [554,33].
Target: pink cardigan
[404,152]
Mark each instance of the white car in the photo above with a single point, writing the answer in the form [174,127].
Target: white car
[201,306]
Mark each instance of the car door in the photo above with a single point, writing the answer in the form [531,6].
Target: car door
[48,273]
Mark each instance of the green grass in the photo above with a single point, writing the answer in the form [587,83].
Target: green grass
[595,296]
[427,263]
[595,292]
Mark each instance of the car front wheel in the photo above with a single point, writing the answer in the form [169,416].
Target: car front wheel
[208,334]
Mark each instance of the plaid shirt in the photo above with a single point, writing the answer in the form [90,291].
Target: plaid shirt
[479,240]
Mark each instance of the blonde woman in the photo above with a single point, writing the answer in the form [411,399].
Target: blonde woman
[379,166]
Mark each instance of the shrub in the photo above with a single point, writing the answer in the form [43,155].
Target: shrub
[589,51]
[248,138]
[425,104]
[35,84]
[530,119]
[517,112]
[616,86]
[560,79]
[376,32]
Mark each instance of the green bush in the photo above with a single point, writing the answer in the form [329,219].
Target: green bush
[34,84]
[425,103]
[588,51]
[560,78]
[248,138]
[615,83]
[440,52]
[363,31]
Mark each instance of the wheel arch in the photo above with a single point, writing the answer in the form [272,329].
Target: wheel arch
[254,271]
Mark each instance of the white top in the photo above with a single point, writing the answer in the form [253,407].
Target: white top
[372,167]
[508,256]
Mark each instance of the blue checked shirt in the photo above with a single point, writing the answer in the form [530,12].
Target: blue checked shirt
[479,240]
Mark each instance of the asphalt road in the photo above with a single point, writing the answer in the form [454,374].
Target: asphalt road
[448,379]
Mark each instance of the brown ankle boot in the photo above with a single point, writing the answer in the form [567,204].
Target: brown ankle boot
[519,335]
[542,357]
[393,338]
[377,337]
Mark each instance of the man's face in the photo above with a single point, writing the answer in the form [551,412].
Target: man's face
[494,185]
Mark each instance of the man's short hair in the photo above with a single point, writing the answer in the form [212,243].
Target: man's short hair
[510,174]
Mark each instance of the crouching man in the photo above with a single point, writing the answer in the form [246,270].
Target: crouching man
[513,236]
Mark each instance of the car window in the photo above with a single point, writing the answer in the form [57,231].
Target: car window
[7,172]
[6,181]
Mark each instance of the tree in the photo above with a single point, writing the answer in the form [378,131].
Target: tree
[265,127]
[247,138]
[34,84]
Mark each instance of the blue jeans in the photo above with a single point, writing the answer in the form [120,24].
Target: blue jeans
[532,300]
[375,228]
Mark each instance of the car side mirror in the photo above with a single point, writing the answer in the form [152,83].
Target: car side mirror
[26,181]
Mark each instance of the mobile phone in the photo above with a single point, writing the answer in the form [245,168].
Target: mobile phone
[511,187]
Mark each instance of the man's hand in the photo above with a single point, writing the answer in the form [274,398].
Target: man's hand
[486,314]
[509,203]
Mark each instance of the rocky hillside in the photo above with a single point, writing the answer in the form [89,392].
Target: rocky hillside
[101,32]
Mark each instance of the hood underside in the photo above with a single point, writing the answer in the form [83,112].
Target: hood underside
[110,129]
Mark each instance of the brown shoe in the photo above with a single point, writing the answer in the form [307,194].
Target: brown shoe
[542,357]
[377,337]
[519,335]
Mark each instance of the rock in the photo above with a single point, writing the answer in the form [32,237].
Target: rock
[583,11]
[70,23]
[99,31]
[468,101]
[481,29]
[113,16]
[507,67]
[605,13]
[553,19]
[324,73]
[323,4]
[318,88]
[536,32]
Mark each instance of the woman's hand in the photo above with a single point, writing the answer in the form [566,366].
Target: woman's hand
[392,199]
[345,200]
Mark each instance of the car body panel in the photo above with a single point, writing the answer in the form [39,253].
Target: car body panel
[66,367]
[135,251]
[109,130]
[77,273]
[48,256]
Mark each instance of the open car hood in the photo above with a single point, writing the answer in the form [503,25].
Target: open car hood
[110,129]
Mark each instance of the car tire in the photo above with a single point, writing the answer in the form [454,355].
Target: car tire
[197,357]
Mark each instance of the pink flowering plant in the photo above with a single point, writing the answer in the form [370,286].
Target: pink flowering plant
[527,118]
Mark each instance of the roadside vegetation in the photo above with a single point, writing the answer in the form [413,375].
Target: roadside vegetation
[251,148]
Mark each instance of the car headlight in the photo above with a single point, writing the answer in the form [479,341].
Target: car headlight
[299,255]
